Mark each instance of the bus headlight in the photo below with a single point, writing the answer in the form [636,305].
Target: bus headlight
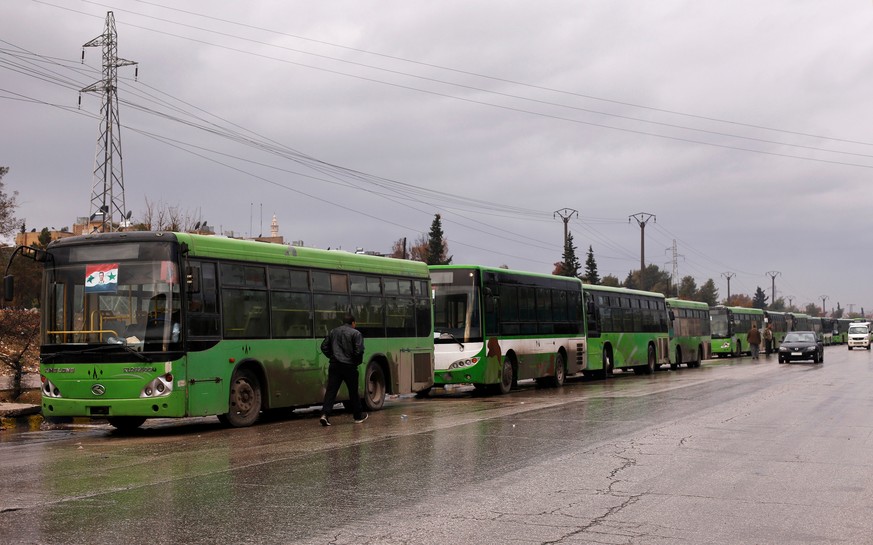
[159,387]
[49,389]
[466,362]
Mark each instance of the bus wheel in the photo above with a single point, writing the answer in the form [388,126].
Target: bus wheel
[506,378]
[245,400]
[649,367]
[374,384]
[126,424]
[557,380]
[608,365]
[699,359]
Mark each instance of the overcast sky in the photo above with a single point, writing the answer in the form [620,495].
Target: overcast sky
[742,126]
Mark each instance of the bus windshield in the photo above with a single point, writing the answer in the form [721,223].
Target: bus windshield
[456,316]
[720,324]
[124,294]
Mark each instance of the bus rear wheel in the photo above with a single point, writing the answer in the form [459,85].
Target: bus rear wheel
[126,424]
[244,405]
[557,379]
[374,387]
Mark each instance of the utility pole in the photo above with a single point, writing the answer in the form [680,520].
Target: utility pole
[790,300]
[824,311]
[107,192]
[773,275]
[565,214]
[728,275]
[642,218]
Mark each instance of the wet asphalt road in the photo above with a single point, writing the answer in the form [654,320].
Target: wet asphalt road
[734,452]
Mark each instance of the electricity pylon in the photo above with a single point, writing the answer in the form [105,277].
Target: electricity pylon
[107,192]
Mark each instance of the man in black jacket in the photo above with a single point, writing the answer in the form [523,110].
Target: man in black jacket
[344,347]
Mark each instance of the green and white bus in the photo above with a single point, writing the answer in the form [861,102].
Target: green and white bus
[689,332]
[626,329]
[139,325]
[494,327]
[730,328]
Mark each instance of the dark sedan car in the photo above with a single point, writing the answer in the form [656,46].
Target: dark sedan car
[801,345]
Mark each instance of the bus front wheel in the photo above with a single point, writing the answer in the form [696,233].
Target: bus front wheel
[506,378]
[126,424]
[374,387]
[245,400]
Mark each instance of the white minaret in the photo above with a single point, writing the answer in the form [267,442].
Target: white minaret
[274,227]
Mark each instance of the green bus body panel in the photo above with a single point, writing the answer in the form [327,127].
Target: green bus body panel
[688,345]
[628,349]
[123,383]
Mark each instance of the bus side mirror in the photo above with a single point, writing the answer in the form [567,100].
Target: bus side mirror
[9,287]
[672,316]
[192,278]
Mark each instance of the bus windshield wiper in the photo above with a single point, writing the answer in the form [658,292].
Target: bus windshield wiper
[447,334]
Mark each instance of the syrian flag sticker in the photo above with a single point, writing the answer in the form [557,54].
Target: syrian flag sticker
[101,278]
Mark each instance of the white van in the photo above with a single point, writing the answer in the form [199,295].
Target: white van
[859,335]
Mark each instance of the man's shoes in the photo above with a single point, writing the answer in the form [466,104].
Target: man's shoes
[324,421]
[364,417]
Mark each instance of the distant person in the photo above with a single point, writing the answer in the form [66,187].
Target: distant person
[768,339]
[754,338]
[344,347]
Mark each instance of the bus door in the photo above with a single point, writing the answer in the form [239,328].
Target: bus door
[207,386]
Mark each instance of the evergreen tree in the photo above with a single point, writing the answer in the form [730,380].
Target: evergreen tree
[569,265]
[590,276]
[687,288]
[708,293]
[437,247]
[760,299]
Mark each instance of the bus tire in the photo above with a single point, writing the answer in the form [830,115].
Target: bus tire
[126,424]
[507,378]
[374,387]
[244,405]
[650,365]
[557,379]
[608,363]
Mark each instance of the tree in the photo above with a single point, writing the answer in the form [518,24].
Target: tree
[569,265]
[437,247]
[656,280]
[611,281]
[19,331]
[590,276]
[45,236]
[760,299]
[708,293]
[687,288]
[8,222]
[778,305]
[739,300]
[812,310]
